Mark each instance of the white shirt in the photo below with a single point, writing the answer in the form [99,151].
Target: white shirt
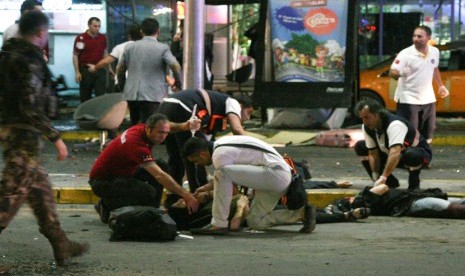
[117,52]
[415,86]
[10,32]
[395,133]
[229,155]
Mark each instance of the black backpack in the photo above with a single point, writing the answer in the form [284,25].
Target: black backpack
[141,223]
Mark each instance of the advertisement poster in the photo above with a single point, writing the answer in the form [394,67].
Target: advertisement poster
[308,40]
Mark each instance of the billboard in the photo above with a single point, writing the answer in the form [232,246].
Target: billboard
[308,54]
[308,40]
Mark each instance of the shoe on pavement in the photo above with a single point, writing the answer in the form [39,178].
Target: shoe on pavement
[210,230]
[102,212]
[309,219]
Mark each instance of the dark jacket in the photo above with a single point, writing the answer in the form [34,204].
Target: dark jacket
[25,86]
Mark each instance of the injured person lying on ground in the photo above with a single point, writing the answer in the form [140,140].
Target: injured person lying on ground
[383,201]
[241,203]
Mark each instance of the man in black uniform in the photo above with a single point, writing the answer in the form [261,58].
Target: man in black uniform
[24,89]
[390,142]
[215,110]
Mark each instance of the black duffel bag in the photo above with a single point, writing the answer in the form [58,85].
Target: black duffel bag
[141,223]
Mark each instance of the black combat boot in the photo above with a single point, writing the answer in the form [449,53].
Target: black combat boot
[63,248]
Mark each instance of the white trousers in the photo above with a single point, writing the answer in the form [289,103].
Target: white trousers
[269,185]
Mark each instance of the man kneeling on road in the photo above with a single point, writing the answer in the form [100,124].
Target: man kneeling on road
[263,170]
[390,142]
[126,173]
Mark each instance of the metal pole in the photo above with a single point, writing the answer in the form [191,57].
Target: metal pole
[452,20]
[194,41]
[381,31]
[134,11]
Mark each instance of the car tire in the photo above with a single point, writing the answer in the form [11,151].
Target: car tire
[367,94]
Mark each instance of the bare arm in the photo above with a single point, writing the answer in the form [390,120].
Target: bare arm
[236,124]
[168,182]
[177,74]
[61,149]
[437,77]
[395,74]
[106,61]
[76,68]
[392,160]
[375,163]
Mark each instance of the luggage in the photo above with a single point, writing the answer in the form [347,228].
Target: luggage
[141,223]
[341,138]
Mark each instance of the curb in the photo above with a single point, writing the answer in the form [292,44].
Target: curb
[318,197]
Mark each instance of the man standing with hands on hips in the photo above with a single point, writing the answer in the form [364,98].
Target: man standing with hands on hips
[415,68]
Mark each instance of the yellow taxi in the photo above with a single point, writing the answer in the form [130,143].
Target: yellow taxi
[376,84]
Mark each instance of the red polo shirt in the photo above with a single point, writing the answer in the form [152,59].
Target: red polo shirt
[124,155]
[89,49]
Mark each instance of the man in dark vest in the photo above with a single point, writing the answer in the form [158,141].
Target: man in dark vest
[390,142]
[215,110]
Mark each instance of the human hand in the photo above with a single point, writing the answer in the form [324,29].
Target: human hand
[91,68]
[242,202]
[170,80]
[62,150]
[191,203]
[78,77]
[381,180]
[443,92]
[194,124]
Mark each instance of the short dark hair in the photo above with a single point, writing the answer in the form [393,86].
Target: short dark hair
[32,22]
[426,29]
[195,145]
[134,32]
[150,26]
[154,119]
[29,5]
[93,18]
[373,107]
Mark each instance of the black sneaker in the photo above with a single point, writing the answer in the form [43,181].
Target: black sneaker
[210,230]
[102,212]
[309,219]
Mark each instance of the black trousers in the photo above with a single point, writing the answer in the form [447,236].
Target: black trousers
[92,82]
[140,189]
[196,175]
[140,111]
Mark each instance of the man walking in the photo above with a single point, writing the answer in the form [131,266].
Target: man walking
[146,61]
[24,87]
[415,68]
